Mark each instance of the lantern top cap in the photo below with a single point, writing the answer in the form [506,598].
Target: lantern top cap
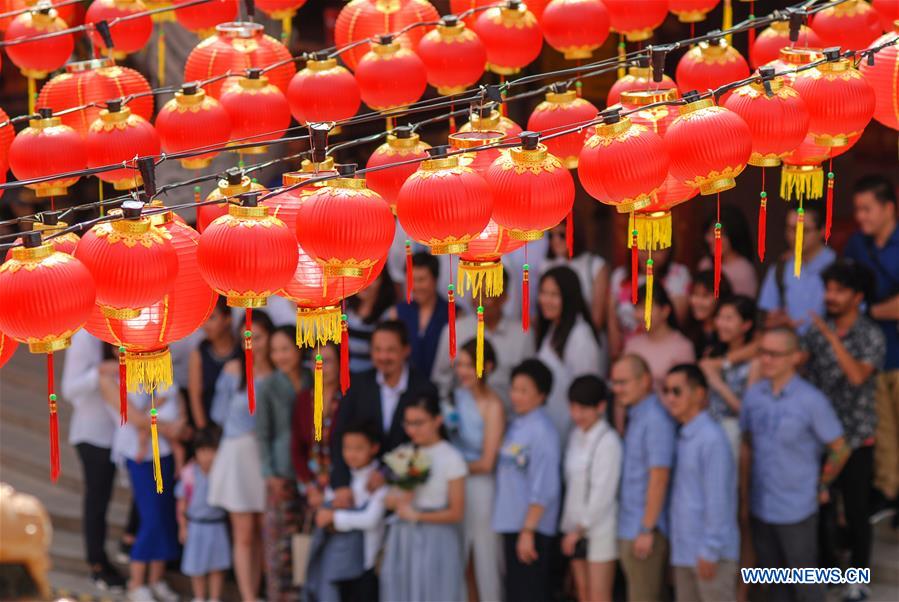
[694,105]
[234,176]
[561,95]
[49,218]
[346,170]
[835,66]
[530,140]
[474,139]
[250,199]
[320,62]
[450,21]
[439,159]
[308,166]
[385,45]
[190,88]
[239,29]
[714,48]
[613,128]
[89,65]
[799,56]
[132,209]
[33,249]
[640,98]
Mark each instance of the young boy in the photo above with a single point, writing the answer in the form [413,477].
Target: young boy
[360,450]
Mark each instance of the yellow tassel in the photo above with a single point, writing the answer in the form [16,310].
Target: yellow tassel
[480,277]
[157,465]
[647,302]
[32,95]
[797,251]
[653,230]
[802,182]
[286,28]
[727,20]
[318,394]
[160,57]
[479,360]
[100,193]
[318,326]
[622,56]
[148,370]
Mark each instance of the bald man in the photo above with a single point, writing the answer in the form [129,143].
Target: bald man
[786,424]
[642,499]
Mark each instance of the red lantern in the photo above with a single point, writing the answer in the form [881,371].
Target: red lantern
[637,78]
[489,119]
[286,205]
[127,36]
[790,58]
[888,11]
[444,205]
[44,148]
[192,121]
[532,190]
[234,185]
[133,263]
[563,110]
[481,266]
[636,25]
[202,18]
[511,36]
[401,146]
[768,43]
[883,77]
[323,91]
[840,101]
[95,81]
[8,346]
[7,135]
[653,223]
[36,59]
[709,146]
[851,25]
[575,27]
[365,19]
[345,226]
[280,9]
[7,6]
[692,11]
[623,164]
[119,136]
[778,122]
[457,7]
[453,56]
[656,119]
[709,65]
[258,111]
[234,48]
[390,76]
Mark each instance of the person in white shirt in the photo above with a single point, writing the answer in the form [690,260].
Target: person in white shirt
[592,468]
[360,445]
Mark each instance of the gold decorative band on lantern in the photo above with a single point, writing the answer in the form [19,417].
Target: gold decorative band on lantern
[653,230]
[308,166]
[574,53]
[45,190]
[449,91]
[480,276]
[691,16]
[148,370]
[641,98]
[131,227]
[195,163]
[386,49]
[837,66]
[439,163]
[335,271]
[801,182]
[253,150]
[89,65]
[239,29]
[696,105]
[453,248]
[318,325]
[832,140]
[561,97]
[610,130]
[351,183]
[409,142]
[641,202]
[51,344]
[502,70]
[128,183]
[533,157]
[760,160]
[119,313]
[716,185]
[33,254]
[638,35]
[525,235]
[248,301]
[257,212]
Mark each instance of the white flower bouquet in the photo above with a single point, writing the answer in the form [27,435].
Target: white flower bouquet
[409,467]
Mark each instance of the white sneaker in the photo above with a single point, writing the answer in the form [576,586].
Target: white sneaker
[140,594]
[163,592]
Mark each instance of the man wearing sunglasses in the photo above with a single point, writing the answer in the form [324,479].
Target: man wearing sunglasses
[787,426]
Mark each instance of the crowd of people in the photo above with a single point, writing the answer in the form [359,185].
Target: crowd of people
[594,460]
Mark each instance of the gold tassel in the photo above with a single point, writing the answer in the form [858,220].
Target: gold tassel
[318,407]
[653,230]
[286,28]
[622,56]
[148,370]
[154,435]
[647,302]
[802,181]
[480,277]
[32,95]
[318,326]
[160,57]
[479,359]
[727,19]
[797,251]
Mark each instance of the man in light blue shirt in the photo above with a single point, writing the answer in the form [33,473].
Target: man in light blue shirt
[786,299]
[787,424]
[648,457]
[705,540]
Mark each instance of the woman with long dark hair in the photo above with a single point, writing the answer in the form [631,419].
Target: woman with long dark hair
[566,341]
[363,312]
[737,255]
[700,324]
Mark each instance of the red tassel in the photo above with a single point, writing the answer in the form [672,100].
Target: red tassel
[525,298]
[751,29]
[635,268]
[829,216]
[408,271]
[123,388]
[763,224]
[717,258]
[54,421]
[569,233]
[344,355]
[248,358]
[451,312]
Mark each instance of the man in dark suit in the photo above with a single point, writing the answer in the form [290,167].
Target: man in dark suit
[378,396]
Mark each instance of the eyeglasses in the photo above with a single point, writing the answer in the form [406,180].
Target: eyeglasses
[676,391]
[773,352]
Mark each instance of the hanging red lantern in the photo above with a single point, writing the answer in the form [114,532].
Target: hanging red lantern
[91,83]
[233,185]
[840,101]
[457,7]
[257,109]
[709,146]
[562,110]
[709,65]
[323,91]
[202,18]
[127,36]
[443,204]
[192,121]
[390,76]
[7,135]
[280,9]
[286,205]
[345,226]
[36,59]
[401,146]
[778,122]
[851,25]
[623,164]
[575,27]
[478,160]
[653,223]
[489,119]
[453,55]
[656,119]
[511,36]
[44,148]
[8,346]
[481,266]
[532,190]
[636,25]
[119,136]
[692,11]
[8,6]
[133,263]
[637,78]
[234,48]
[888,10]
[365,19]
[768,43]
[883,79]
